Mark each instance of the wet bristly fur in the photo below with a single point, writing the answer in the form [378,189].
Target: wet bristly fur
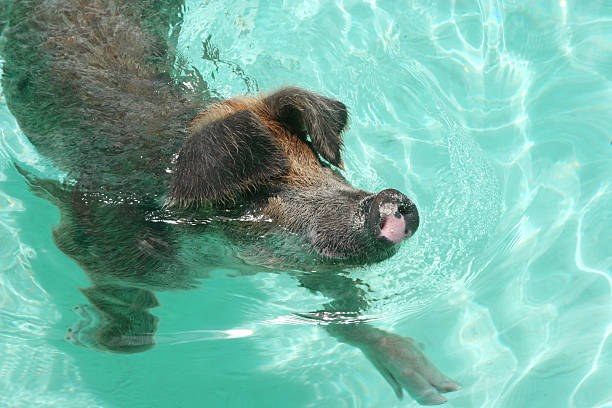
[99,92]
[226,158]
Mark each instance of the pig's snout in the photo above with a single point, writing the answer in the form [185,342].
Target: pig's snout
[392,216]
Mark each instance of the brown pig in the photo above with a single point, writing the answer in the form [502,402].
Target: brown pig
[167,181]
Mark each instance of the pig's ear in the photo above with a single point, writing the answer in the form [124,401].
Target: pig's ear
[324,119]
[225,158]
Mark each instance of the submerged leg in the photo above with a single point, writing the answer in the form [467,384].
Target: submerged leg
[120,320]
[124,254]
[397,358]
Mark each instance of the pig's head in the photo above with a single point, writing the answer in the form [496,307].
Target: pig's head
[279,153]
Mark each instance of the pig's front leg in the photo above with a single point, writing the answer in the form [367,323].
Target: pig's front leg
[399,360]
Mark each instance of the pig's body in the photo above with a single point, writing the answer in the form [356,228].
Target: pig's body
[156,160]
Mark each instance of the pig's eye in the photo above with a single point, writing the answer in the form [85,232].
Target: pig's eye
[397,215]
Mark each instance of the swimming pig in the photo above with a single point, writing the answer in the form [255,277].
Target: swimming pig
[168,182]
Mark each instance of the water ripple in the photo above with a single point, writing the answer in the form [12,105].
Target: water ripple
[493,115]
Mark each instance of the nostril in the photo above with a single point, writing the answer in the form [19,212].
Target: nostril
[411,215]
[412,221]
[406,206]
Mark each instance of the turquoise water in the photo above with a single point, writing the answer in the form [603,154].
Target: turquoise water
[493,115]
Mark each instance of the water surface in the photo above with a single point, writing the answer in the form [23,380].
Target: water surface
[494,116]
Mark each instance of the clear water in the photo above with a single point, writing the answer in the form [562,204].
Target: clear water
[494,115]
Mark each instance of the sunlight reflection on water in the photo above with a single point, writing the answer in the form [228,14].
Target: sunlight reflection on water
[493,115]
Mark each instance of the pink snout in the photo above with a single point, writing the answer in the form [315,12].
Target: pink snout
[393,216]
[393,226]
